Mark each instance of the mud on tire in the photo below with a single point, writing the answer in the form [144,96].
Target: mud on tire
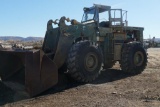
[134,58]
[84,62]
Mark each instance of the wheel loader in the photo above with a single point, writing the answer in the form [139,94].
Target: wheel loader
[81,49]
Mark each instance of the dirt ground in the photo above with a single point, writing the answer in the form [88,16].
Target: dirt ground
[111,89]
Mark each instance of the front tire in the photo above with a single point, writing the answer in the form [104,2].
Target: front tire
[134,58]
[84,62]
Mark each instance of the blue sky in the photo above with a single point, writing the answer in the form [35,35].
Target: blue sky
[29,17]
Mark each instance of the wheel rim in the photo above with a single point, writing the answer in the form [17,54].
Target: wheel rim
[91,62]
[138,58]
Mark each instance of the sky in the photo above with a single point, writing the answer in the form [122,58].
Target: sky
[29,17]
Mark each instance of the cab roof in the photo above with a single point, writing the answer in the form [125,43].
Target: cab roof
[101,8]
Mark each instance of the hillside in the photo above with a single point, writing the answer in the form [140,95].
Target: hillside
[18,38]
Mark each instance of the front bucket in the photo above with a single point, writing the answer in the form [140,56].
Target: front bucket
[34,69]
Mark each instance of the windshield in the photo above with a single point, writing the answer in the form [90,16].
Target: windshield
[88,15]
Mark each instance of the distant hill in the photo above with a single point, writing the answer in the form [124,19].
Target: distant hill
[17,38]
[157,39]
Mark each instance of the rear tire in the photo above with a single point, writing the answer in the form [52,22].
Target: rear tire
[134,58]
[84,62]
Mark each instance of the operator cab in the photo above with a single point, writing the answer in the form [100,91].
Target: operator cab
[104,16]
